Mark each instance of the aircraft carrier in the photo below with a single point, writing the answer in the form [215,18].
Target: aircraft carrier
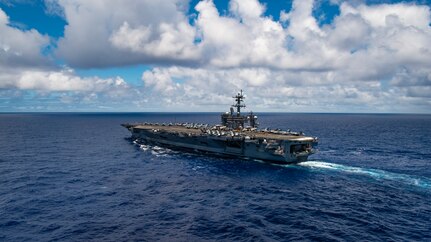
[237,135]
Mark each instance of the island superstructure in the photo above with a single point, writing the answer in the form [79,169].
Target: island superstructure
[237,136]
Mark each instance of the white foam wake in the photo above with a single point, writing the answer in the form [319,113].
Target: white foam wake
[154,149]
[373,173]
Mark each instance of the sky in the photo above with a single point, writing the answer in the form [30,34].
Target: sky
[335,56]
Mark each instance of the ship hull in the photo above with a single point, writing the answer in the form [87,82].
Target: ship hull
[237,136]
[219,145]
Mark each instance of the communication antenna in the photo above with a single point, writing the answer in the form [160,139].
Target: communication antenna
[239,98]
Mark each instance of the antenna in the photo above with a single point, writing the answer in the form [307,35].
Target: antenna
[238,105]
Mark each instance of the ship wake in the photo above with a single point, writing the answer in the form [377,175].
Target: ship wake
[154,149]
[376,174]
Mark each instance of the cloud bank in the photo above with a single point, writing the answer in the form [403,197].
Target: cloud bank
[368,58]
[24,67]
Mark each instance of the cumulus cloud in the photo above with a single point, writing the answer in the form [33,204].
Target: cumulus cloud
[247,39]
[101,33]
[20,48]
[380,15]
[25,70]
[268,90]
[23,66]
[383,49]
[62,90]
[66,81]
[370,56]
[130,32]
[168,41]
[63,80]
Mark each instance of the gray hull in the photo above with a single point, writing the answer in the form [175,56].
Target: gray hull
[277,151]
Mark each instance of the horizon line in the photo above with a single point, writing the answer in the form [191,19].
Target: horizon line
[191,112]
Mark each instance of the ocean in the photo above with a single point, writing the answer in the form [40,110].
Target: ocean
[79,177]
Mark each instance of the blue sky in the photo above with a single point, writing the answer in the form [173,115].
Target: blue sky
[179,55]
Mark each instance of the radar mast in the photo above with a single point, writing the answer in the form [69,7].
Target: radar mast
[239,98]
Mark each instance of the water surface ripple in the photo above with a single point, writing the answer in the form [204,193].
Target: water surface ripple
[79,177]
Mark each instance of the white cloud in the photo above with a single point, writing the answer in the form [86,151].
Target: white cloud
[171,41]
[249,10]
[66,81]
[380,15]
[24,68]
[370,57]
[302,23]
[248,39]
[20,48]
[110,33]
[367,59]
[22,65]
[63,90]
[351,33]
[268,90]
[160,80]
[357,60]
[130,32]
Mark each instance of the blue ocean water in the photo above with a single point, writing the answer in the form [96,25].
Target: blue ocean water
[79,177]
